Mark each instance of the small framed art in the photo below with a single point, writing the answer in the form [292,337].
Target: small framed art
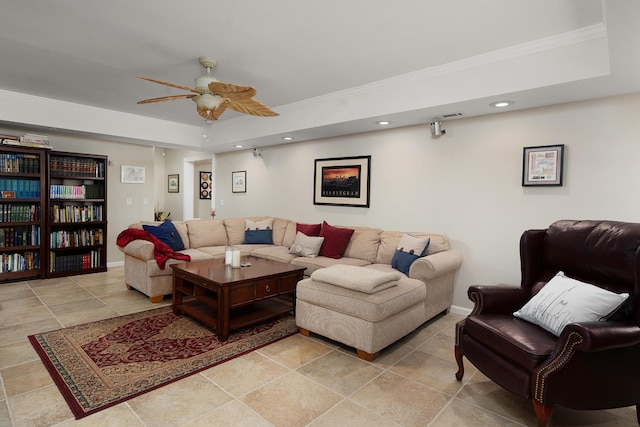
[205,185]
[132,175]
[173,183]
[239,182]
[342,181]
[543,165]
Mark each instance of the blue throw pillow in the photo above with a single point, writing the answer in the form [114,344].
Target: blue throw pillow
[402,261]
[255,237]
[166,233]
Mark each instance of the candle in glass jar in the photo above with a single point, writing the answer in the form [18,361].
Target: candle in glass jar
[228,253]
[235,258]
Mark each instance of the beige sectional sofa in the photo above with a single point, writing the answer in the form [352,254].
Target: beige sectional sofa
[430,278]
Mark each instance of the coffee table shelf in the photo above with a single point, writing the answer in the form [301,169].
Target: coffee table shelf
[224,298]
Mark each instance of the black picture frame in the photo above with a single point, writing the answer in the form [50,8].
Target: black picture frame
[206,186]
[342,181]
[239,182]
[543,165]
[173,183]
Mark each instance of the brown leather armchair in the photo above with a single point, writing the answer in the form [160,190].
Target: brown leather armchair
[591,365]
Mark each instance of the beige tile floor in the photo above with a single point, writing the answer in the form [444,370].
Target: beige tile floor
[299,381]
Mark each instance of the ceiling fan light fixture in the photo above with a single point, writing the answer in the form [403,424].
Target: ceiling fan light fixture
[207,102]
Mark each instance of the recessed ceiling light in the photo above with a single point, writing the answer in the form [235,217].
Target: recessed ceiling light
[501,104]
[287,138]
[239,146]
[383,122]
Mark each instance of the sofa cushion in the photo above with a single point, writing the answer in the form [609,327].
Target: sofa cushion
[359,279]
[258,237]
[309,229]
[564,300]
[206,232]
[235,230]
[284,231]
[181,226]
[264,224]
[313,264]
[166,233]
[364,244]
[371,307]
[335,240]
[274,253]
[409,249]
[389,243]
[304,245]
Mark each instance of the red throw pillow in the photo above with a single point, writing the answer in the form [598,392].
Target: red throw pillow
[309,229]
[335,240]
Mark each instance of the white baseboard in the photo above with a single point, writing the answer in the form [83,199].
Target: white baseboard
[460,310]
[115,264]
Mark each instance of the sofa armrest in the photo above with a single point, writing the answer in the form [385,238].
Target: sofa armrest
[431,266]
[141,249]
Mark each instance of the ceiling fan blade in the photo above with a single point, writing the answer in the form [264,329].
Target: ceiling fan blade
[207,115]
[251,106]
[190,89]
[232,91]
[165,98]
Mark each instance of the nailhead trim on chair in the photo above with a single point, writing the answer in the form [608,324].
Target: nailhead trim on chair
[555,364]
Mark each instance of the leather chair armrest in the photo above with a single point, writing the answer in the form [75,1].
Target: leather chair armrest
[501,299]
[599,336]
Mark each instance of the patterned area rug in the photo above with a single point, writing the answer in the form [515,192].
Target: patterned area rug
[100,364]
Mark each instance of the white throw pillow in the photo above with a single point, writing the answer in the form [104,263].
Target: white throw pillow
[564,300]
[307,246]
[265,224]
[413,245]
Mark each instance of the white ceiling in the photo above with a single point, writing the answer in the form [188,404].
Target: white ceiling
[328,67]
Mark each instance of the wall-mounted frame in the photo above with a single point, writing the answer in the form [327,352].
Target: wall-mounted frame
[239,182]
[206,186]
[543,165]
[173,183]
[132,175]
[342,181]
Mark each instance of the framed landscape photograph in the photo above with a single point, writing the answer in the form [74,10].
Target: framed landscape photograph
[205,185]
[543,165]
[342,181]
[239,182]
[173,184]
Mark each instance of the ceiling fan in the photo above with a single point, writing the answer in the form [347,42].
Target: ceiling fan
[213,97]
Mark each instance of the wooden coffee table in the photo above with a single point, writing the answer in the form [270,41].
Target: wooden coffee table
[228,298]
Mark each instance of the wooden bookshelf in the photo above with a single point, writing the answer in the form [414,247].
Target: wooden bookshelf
[76,226]
[22,201]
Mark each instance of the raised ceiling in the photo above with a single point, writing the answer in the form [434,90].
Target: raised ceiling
[329,68]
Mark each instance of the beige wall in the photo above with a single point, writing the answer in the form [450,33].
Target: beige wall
[466,184]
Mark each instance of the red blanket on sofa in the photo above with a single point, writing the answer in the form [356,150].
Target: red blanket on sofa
[161,251]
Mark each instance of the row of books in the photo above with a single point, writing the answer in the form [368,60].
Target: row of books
[19,261]
[23,188]
[84,261]
[24,235]
[72,166]
[26,140]
[19,163]
[77,238]
[86,191]
[10,212]
[76,213]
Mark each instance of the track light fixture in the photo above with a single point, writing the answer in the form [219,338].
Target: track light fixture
[436,129]
[257,152]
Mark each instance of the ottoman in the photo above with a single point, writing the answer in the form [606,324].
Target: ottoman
[366,319]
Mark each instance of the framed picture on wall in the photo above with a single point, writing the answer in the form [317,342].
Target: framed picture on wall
[173,184]
[239,182]
[132,175]
[342,181]
[543,165]
[206,188]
